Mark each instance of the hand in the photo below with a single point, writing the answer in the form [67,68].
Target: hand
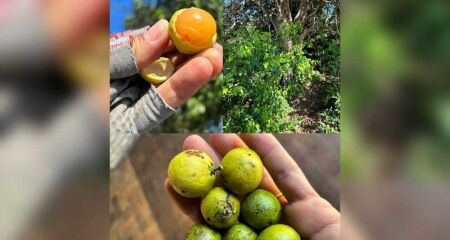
[192,72]
[304,210]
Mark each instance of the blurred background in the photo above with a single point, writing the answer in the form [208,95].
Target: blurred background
[53,119]
[201,113]
[140,208]
[395,119]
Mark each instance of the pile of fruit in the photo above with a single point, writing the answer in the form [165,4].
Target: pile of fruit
[235,211]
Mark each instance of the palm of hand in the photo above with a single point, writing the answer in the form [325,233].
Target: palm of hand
[303,209]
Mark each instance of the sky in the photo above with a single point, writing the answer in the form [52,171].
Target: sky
[119,10]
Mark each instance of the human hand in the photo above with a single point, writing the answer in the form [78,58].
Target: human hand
[136,106]
[303,209]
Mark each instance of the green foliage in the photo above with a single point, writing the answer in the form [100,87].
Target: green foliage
[282,68]
[255,98]
[330,118]
[201,113]
[325,50]
[148,12]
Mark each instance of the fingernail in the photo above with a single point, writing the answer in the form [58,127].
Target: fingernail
[157,31]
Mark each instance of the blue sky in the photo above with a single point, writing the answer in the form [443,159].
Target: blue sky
[119,9]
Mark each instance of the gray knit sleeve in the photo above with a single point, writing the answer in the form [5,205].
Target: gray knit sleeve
[121,60]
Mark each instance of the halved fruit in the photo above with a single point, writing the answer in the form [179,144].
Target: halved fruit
[159,71]
[192,30]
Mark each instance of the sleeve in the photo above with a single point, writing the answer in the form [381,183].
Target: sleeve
[128,116]
[121,60]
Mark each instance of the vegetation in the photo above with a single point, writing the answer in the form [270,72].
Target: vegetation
[202,112]
[281,66]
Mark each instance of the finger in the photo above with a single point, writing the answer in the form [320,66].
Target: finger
[307,211]
[214,55]
[283,169]
[176,58]
[169,47]
[197,142]
[185,82]
[190,206]
[218,47]
[315,218]
[149,46]
[223,143]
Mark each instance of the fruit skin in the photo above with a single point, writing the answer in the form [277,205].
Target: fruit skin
[261,209]
[220,208]
[278,232]
[240,231]
[153,77]
[181,45]
[191,173]
[202,232]
[242,170]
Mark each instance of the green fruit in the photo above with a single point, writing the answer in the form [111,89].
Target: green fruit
[279,232]
[220,208]
[261,209]
[192,173]
[240,231]
[242,170]
[202,232]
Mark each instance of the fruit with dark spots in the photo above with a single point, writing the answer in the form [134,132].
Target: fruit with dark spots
[202,232]
[242,170]
[240,231]
[261,209]
[220,208]
[191,173]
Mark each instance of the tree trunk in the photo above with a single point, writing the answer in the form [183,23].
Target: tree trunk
[290,73]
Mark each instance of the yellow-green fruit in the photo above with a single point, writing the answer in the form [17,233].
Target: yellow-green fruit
[159,71]
[261,209]
[242,170]
[240,231]
[279,232]
[202,232]
[192,30]
[220,208]
[192,173]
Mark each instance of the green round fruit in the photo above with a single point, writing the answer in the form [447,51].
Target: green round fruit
[261,209]
[240,231]
[242,170]
[192,173]
[202,232]
[279,232]
[220,208]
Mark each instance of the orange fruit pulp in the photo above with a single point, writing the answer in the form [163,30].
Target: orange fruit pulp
[195,26]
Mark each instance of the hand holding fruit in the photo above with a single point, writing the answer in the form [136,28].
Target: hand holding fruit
[174,75]
[302,209]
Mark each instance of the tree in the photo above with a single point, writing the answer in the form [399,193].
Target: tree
[293,65]
[269,15]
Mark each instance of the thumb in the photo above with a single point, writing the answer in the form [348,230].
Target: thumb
[149,46]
